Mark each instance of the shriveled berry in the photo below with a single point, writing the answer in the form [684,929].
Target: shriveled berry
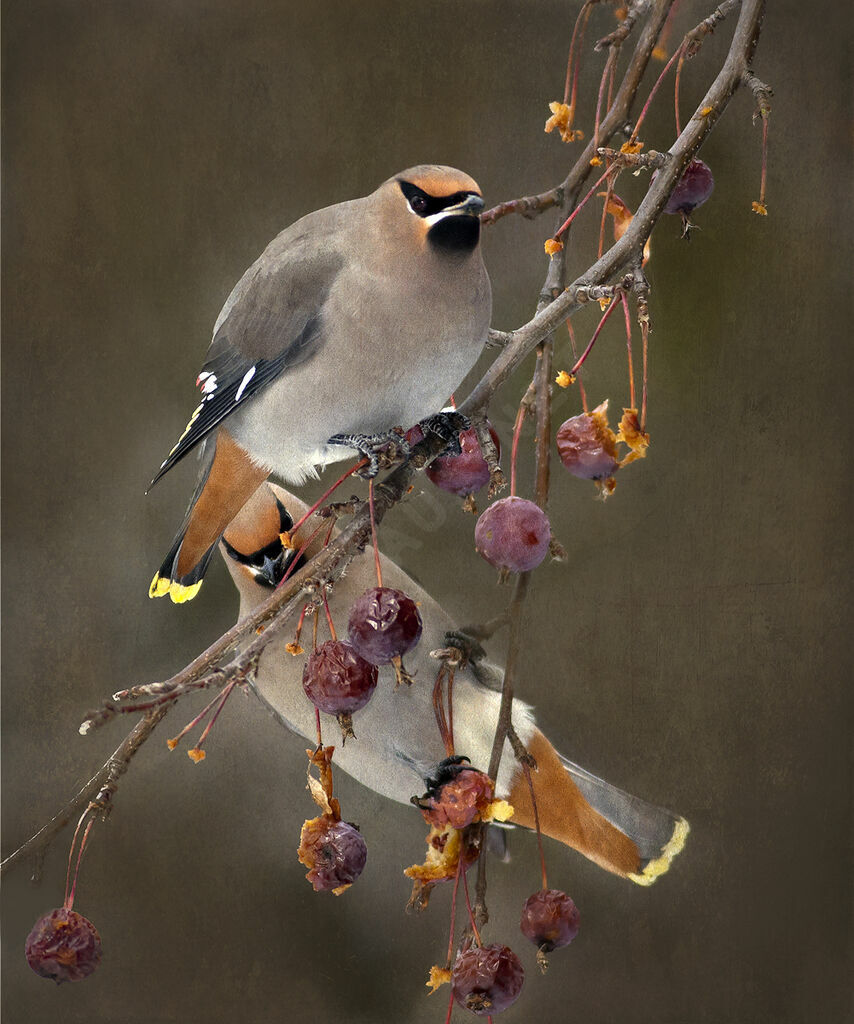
[334,852]
[458,801]
[550,919]
[467,472]
[384,623]
[587,446]
[487,979]
[694,188]
[337,679]
[513,534]
[63,946]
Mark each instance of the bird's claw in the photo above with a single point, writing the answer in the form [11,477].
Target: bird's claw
[470,648]
[381,450]
[448,425]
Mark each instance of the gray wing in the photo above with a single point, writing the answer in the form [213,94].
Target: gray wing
[272,320]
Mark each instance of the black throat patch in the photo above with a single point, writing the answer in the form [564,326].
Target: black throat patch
[455,234]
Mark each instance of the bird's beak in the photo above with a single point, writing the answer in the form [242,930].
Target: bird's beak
[471,206]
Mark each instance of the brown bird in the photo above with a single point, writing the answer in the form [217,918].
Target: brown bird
[398,745]
[358,319]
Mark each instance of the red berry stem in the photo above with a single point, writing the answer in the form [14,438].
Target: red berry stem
[317,722]
[624,300]
[472,921]
[764,161]
[359,465]
[585,14]
[439,711]
[613,305]
[223,697]
[676,91]
[374,534]
[654,90]
[301,551]
[580,206]
[645,338]
[581,390]
[452,671]
[517,431]
[68,901]
[611,55]
[454,912]
[571,57]
[200,717]
[329,616]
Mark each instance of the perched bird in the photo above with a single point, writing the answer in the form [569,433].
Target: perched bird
[358,319]
[398,746]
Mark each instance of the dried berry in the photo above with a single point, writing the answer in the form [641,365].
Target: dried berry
[587,446]
[487,979]
[63,946]
[458,796]
[339,681]
[513,534]
[334,852]
[550,919]
[467,472]
[384,624]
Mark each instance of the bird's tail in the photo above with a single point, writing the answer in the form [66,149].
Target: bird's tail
[658,834]
[227,480]
[620,832]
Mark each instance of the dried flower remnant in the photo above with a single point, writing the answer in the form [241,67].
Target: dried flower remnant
[623,217]
[333,850]
[561,119]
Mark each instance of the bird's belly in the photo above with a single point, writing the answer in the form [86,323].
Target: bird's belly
[286,427]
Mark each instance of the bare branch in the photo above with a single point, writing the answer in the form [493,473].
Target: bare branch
[97,792]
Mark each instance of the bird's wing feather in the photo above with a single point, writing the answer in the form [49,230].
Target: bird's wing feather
[272,320]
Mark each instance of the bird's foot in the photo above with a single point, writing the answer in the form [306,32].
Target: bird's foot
[381,450]
[466,644]
[448,425]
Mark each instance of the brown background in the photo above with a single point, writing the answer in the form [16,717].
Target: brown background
[693,649]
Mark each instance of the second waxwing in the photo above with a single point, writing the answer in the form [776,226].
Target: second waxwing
[398,745]
[358,319]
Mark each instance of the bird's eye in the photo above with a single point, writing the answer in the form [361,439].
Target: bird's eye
[418,203]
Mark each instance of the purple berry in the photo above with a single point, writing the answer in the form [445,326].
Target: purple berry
[693,189]
[487,979]
[338,681]
[587,446]
[549,919]
[63,946]
[333,851]
[513,534]
[467,472]
[384,624]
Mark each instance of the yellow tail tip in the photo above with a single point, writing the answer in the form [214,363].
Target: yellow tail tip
[671,849]
[178,592]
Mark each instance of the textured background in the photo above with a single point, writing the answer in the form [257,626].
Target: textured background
[692,650]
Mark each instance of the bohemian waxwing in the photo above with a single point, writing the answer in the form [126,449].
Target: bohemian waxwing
[397,744]
[357,319]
